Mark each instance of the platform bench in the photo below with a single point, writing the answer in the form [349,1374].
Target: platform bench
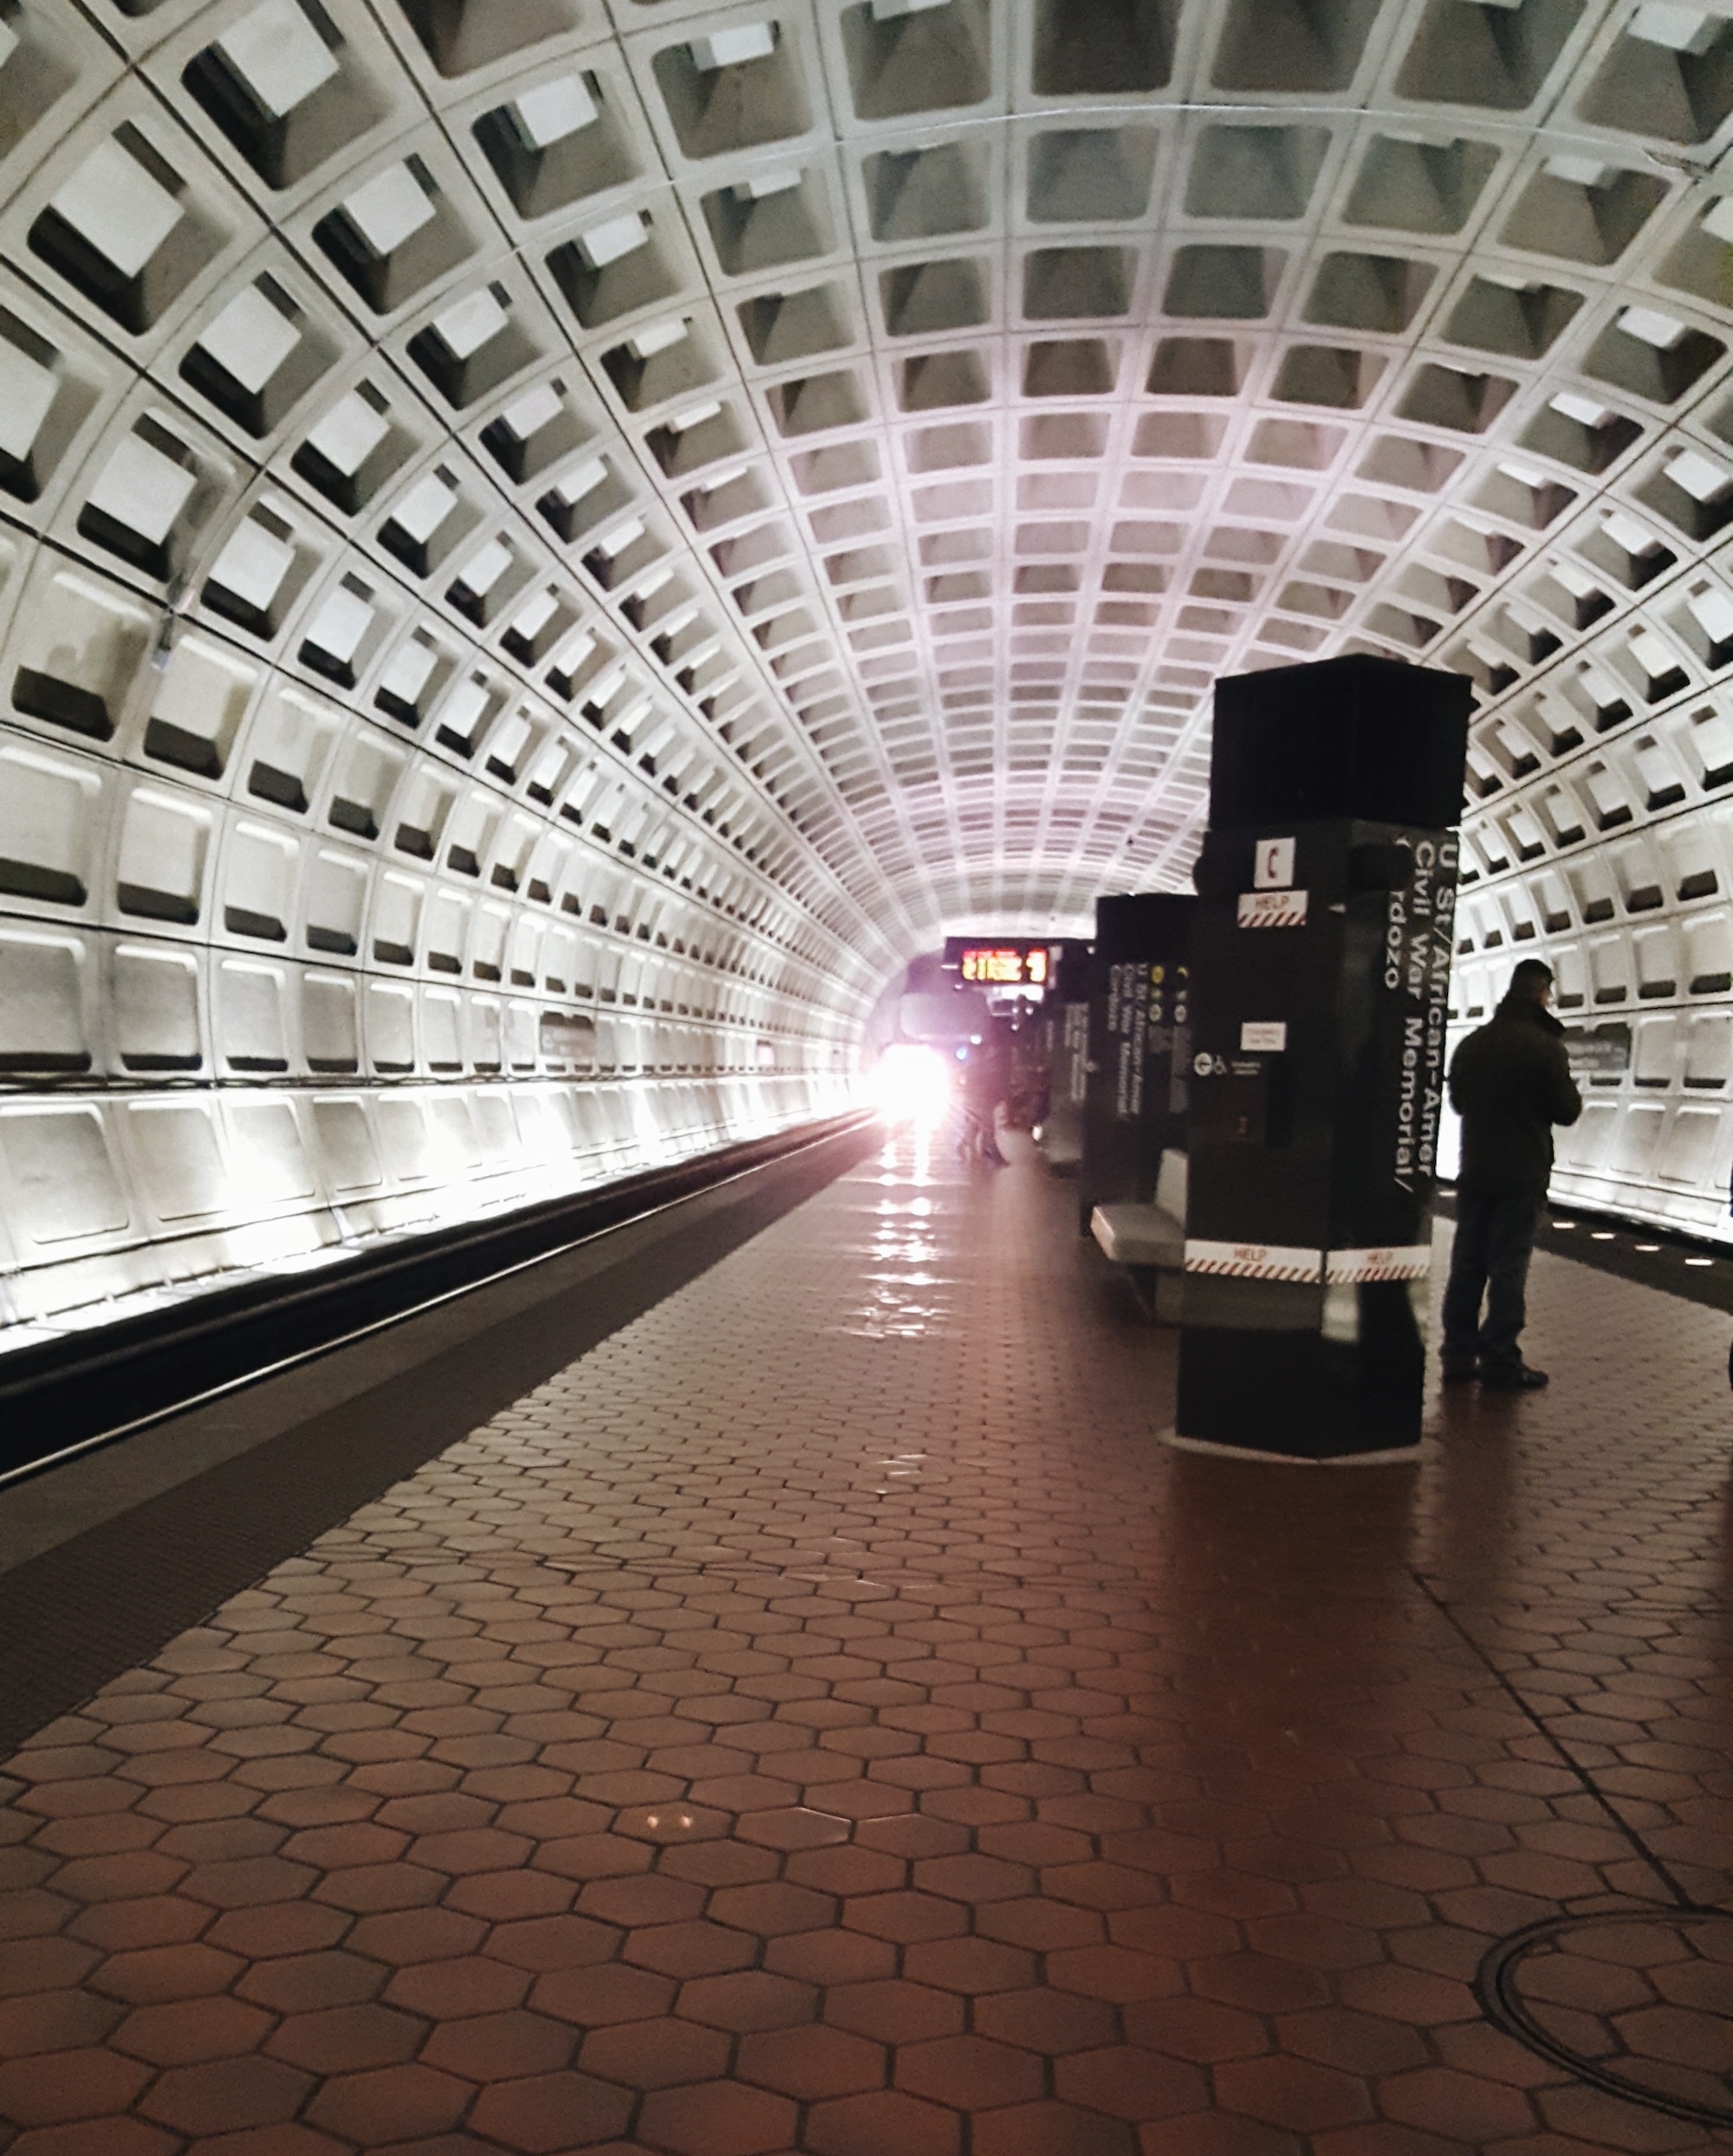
[1149,1242]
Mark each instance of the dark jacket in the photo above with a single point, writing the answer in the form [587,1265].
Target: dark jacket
[1510,1082]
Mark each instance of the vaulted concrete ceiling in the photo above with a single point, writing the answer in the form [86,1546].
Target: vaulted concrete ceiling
[938,396]
[647,508]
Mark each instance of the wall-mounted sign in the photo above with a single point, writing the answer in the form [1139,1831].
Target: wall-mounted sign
[1253,1261]
[1605,1053]
[1273,868]
[568,1037]
[1411,1261]
[1271,909]
[1000,965]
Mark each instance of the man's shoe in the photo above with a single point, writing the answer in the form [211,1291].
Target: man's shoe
[1465,1375]
[1518,1378]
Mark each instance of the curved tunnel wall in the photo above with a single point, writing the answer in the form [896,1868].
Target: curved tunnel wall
[545,547]
[368,857]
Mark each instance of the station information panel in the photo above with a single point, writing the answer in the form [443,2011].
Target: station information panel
[1025,966]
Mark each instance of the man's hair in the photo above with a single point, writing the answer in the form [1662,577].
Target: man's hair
[1529,973]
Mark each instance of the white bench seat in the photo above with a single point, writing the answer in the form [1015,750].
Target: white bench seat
[1139,1234]
[1149,1240]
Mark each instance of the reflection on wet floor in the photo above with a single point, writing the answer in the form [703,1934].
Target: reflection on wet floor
[905,1287]
[823,1718]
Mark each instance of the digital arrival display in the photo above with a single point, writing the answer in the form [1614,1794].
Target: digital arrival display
[1002,965]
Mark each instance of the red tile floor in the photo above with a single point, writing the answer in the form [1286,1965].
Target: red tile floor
[822,1718]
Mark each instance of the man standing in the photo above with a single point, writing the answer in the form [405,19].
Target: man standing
[1510,1082]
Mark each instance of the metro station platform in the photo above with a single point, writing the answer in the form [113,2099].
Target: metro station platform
[823,1718]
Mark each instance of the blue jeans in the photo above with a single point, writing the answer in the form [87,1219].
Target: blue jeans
[1495,1237]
